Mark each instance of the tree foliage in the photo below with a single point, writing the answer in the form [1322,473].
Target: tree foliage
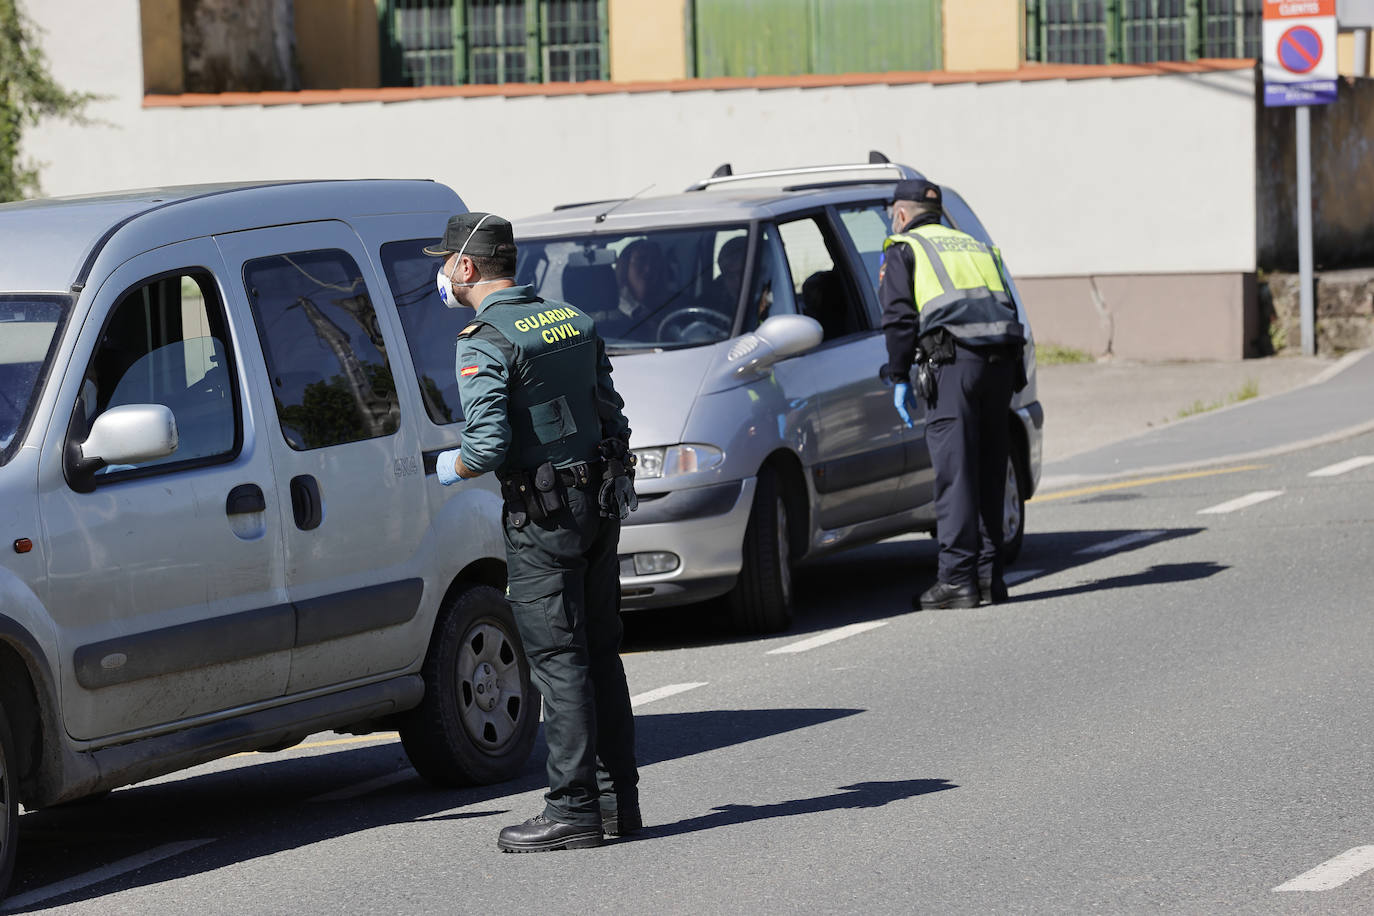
[28,93]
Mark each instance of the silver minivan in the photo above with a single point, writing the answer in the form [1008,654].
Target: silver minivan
[743,324]
[220,530]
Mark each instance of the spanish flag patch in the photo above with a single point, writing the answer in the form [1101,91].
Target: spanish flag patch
[468,370]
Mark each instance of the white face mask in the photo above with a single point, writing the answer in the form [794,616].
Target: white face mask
[446,284]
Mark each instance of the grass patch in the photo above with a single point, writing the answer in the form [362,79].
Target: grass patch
[1050,354]
[1247,391]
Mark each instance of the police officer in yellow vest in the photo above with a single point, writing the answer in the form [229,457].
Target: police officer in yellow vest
[946,309]
[541,412]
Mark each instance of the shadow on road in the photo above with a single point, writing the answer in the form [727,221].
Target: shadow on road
[1155,575]
[271,804]
[860,795]
[877,581]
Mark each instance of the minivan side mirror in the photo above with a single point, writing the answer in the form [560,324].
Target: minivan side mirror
[121,435]
[776,339]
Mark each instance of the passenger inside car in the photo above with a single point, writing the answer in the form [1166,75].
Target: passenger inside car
[823,299]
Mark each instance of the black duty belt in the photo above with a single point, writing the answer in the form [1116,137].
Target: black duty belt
[582,474]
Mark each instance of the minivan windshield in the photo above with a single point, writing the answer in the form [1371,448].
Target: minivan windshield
[28,333]
[659,289]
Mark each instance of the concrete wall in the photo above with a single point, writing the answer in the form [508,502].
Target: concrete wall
[1106,177]
[982,34]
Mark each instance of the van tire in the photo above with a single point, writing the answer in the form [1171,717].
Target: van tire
[9,803]
[761,601]
[465,733]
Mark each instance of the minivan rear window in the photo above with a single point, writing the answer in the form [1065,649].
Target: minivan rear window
[29,330]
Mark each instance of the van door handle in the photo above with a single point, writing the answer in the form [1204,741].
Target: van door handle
[244,499]
[306,502]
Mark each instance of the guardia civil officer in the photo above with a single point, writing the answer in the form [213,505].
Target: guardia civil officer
[947,310]
[542,414]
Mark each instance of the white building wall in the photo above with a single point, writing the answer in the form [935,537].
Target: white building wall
[1138,175]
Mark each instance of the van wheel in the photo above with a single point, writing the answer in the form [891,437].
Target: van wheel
[1013,514]
[761,601]
[477,722]
[9,803]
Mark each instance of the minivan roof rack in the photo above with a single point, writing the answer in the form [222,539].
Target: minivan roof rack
[876,162]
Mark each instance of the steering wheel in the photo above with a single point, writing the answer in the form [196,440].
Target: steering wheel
[694,313]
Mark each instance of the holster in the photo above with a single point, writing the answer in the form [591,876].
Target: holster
[548,491]
[923,382]
[533,497]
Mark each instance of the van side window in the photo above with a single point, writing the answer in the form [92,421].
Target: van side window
[167,342]
[326,358]
[431,329]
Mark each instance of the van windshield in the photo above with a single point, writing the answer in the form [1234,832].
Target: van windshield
[28,333]
[655,289]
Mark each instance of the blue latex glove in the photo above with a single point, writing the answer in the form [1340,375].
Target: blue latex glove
[902,400]
[446,465]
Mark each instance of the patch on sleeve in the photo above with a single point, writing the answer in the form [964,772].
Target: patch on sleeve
[467,371]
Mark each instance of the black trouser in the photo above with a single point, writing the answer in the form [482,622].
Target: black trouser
[966,430]
[564,586]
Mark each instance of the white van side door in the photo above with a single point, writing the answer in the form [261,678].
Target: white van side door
[165,577]
[349,475]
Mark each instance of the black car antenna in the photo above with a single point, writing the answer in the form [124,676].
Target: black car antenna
[601,217]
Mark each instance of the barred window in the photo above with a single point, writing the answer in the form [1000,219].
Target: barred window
[1141,31]
[456,42]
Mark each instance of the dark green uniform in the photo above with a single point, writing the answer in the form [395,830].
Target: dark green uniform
[535,385]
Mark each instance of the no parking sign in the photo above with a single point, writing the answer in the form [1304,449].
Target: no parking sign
[1299,52]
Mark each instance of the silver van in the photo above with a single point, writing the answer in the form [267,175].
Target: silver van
[743,324]
[220,530]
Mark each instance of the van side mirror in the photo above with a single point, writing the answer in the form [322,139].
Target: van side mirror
[776,339]
[128,434]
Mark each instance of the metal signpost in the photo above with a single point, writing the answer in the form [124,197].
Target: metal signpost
[1300,70]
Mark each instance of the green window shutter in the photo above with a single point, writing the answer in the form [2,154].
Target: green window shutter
[792,37]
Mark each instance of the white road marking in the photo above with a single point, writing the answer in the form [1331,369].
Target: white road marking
[1343,466]
[1126,540]
[659,693]
[1333,872]
[104,873]
[826,638]
[1241,502]
[1021,575]
[363,788]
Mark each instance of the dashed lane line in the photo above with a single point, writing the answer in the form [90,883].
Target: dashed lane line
[1021,575]
[1126,540]
[1333,872]
[1241,502]
[658,693]
[104,873]
[1343,467]
[365,788]
[826,638]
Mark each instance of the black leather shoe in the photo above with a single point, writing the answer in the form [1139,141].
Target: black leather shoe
[988,594]
[539,834]
[621,823]
[943,595]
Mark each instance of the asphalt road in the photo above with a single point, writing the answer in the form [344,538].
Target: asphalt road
[1174,713]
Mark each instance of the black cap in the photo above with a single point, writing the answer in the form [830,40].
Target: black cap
[919,190]
[480,235]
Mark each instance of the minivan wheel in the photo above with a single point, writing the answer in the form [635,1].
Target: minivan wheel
[477,721]
[761,601]
[9,804]
[1013,514]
